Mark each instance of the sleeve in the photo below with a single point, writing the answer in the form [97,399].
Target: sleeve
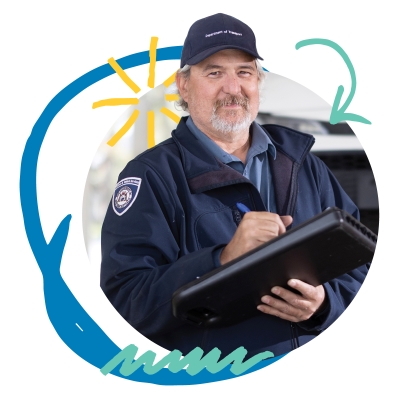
[341,291]
[144,255]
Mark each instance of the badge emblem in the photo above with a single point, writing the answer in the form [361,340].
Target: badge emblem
[125,194]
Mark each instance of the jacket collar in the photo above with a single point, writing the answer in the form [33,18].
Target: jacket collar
[204,172]
[292,148]
[293,144]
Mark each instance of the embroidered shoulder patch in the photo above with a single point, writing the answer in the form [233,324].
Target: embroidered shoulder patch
[125,194]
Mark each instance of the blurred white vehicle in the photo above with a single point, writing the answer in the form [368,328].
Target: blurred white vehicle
[287,103]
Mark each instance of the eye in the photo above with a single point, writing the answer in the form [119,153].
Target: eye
[214,73]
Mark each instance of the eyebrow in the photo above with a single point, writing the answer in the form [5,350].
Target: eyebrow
[216,66]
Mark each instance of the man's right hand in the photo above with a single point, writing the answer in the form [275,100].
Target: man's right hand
[256,228]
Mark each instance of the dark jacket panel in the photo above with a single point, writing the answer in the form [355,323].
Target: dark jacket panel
[183,212]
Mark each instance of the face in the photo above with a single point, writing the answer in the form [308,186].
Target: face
[222,94]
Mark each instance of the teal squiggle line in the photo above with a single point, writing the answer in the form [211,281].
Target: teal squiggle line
[88,340]
[194,361]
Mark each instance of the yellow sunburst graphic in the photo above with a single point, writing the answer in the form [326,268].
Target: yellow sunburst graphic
[134,101]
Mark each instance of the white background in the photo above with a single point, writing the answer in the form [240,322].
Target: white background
[47,45]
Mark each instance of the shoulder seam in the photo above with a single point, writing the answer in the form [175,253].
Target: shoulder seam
[158,175]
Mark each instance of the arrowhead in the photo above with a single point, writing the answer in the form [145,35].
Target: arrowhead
[57,243]
[339,114]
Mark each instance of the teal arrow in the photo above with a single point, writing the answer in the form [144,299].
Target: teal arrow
[339,114]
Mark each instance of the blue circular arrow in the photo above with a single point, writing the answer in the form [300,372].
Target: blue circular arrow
[72,323]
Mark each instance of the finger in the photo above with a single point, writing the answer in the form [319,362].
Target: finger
[266,220]
[316,296]
[266,233]
[253,231]
[295,300]
[256,232]
[307,291]
[280,305]
[287,220]
[301,311]
[291,303]
[277,313]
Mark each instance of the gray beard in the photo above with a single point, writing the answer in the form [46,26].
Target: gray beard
[224,126]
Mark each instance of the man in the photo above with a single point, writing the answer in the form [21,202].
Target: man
[174,215]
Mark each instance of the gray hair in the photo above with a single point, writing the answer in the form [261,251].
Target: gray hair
[184,72]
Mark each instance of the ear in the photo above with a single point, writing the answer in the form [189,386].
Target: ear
[182,85]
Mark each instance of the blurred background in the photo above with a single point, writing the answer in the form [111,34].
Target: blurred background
[283,102]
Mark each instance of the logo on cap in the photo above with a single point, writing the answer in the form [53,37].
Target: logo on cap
[217,32]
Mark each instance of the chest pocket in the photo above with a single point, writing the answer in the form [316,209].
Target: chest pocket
[216,227]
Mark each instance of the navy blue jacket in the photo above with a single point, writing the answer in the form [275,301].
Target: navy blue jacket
[184,212]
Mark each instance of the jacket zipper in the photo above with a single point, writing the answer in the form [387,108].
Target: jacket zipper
[295,339]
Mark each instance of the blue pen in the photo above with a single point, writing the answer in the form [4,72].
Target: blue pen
[241,207]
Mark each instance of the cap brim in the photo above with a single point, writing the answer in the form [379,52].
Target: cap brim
[209,52]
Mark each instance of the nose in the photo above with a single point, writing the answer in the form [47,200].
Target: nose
[231,84]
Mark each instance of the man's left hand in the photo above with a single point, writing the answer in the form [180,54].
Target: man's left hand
[294,307]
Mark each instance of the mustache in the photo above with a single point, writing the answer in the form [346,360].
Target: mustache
[231,99]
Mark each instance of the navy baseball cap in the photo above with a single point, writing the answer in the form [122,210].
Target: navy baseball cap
[217,32]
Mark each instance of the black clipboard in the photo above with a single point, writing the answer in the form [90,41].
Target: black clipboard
[328,245]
